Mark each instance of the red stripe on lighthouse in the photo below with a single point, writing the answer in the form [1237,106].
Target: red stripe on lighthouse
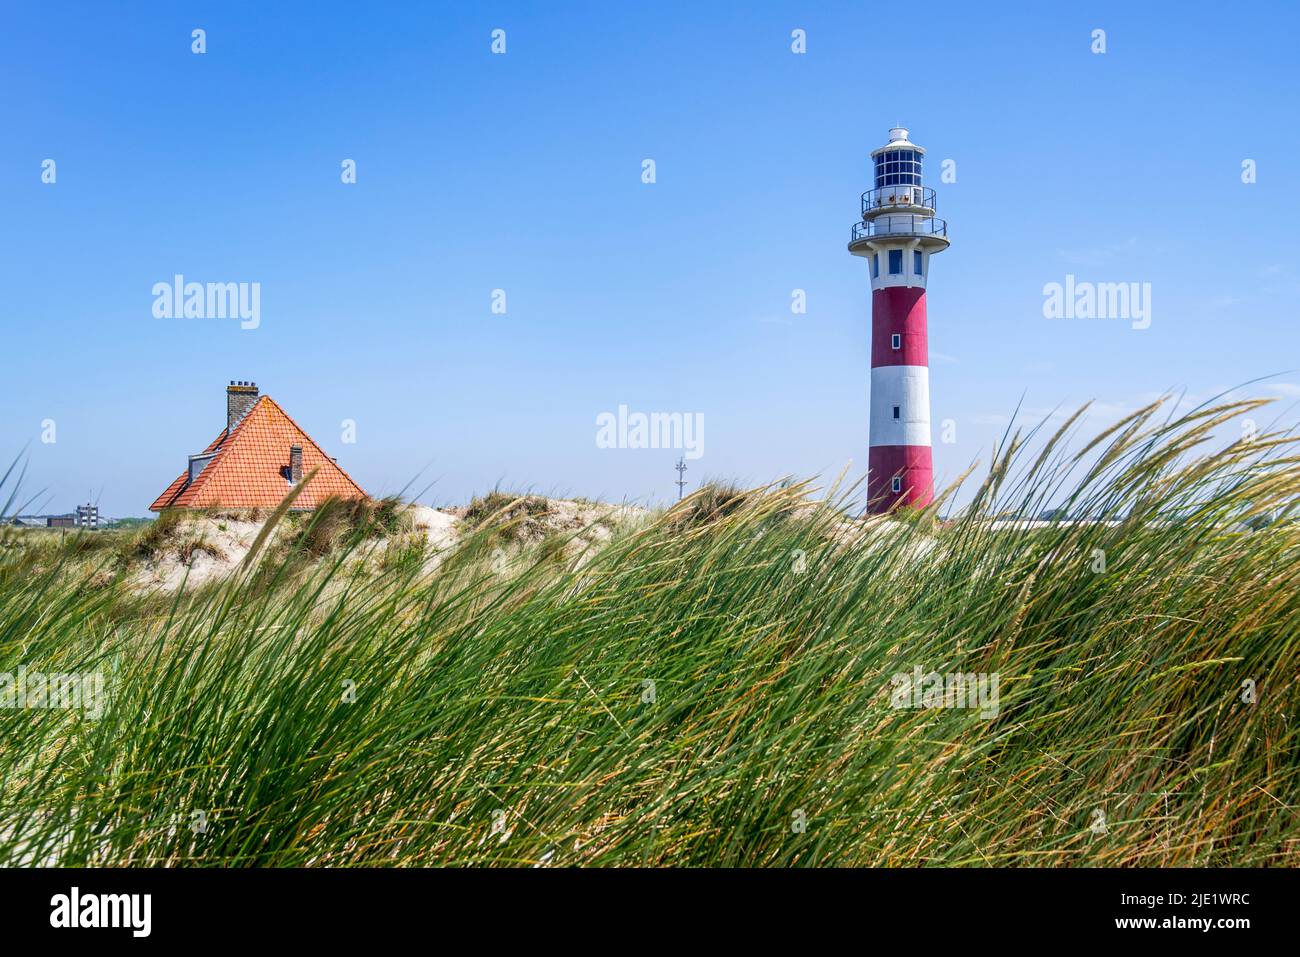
[912,464]
[899,311]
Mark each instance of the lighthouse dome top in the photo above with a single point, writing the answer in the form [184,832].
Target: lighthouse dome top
[897,141]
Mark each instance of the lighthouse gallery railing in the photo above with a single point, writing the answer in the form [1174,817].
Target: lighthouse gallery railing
[889,196]
[899,226]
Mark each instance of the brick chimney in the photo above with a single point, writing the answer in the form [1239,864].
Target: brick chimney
[240,399]
[295,464]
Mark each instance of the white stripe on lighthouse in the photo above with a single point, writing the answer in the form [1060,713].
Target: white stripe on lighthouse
[907,387]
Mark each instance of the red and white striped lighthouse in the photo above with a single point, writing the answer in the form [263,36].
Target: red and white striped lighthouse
[897,236]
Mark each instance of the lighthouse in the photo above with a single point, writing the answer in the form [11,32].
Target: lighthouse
[897,236]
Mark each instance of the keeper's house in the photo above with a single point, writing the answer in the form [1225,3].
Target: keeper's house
[258,457]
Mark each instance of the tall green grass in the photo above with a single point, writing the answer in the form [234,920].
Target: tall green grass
[711,688]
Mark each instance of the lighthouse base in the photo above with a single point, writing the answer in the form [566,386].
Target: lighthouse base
[911,464]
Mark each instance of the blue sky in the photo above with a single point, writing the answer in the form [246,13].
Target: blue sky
[522,172]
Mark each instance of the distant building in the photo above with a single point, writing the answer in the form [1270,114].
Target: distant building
[256,459]
[86,516]
[29,521]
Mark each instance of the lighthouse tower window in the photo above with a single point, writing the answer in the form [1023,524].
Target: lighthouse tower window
[896,484]
[875,265]
[896,341]
[895,262]
[916,262]
[897,410]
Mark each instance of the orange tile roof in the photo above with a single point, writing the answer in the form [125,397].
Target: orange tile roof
[249,468]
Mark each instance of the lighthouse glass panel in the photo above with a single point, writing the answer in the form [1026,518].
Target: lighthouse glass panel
[898,168]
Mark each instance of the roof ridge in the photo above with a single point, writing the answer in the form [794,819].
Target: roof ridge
[182,481]
[307,435]
[231,435]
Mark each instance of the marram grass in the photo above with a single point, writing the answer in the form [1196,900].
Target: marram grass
[712,687]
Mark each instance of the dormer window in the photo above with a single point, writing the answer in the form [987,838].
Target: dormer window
[199,462]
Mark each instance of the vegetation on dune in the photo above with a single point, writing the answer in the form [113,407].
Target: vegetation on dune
[339,523]
[152,538]
[712,502]
[509,518]
[719,697]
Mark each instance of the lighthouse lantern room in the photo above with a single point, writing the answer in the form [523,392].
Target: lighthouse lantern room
[897,236]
